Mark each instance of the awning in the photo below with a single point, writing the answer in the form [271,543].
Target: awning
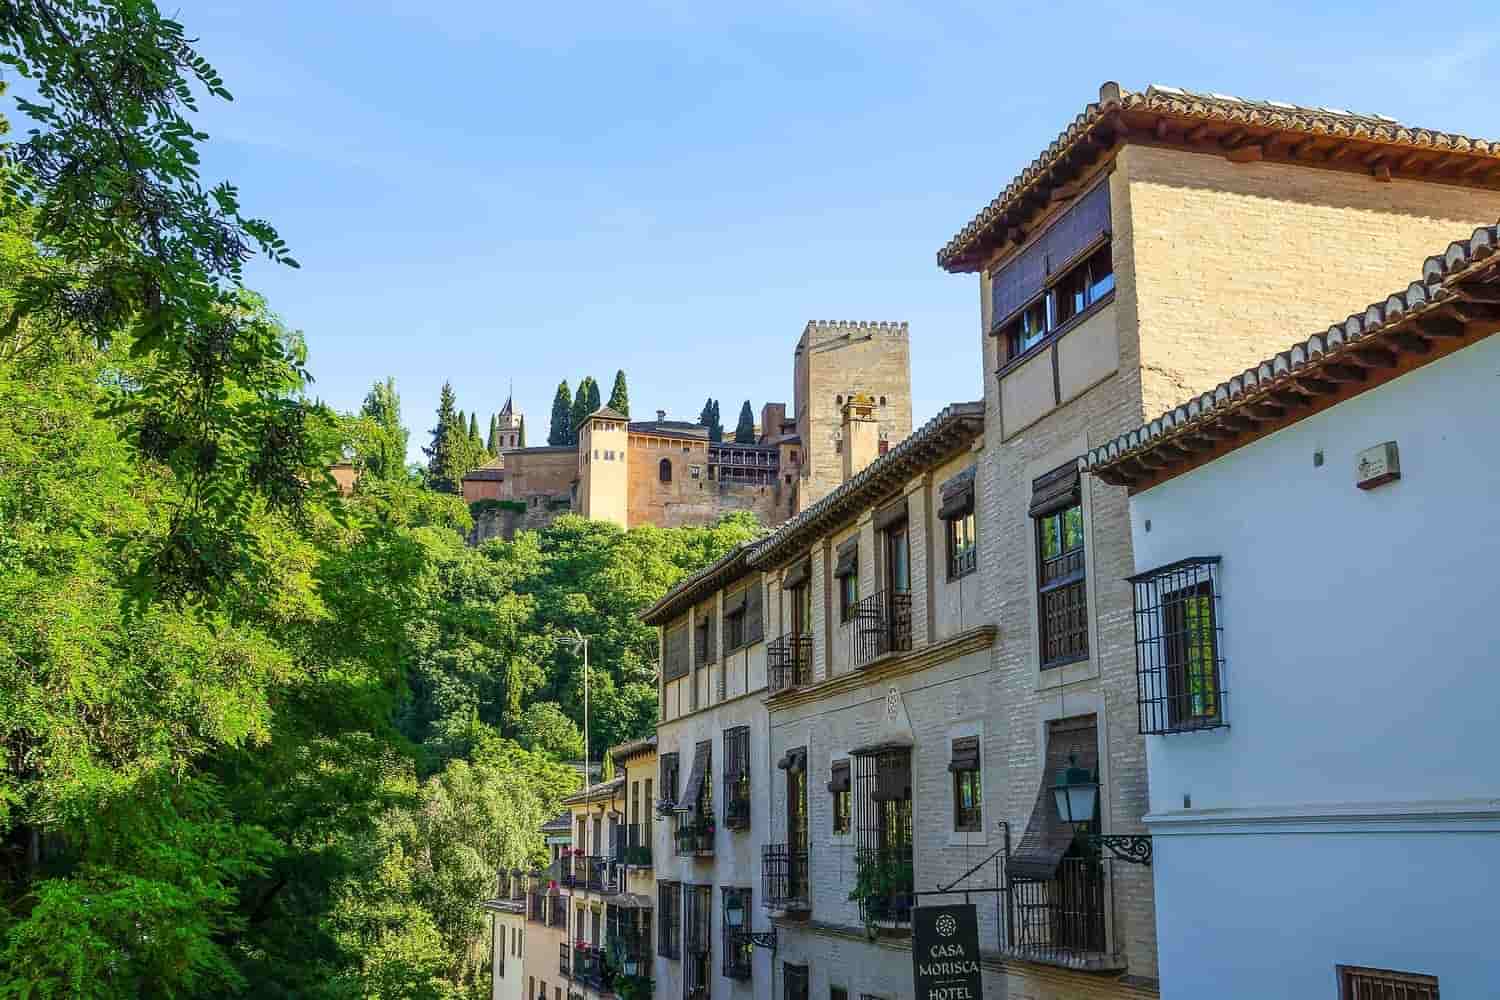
[965,754]
[1054,491]
[797,575]
[848,562]
[890,515]
[690,794]
[840,782]
[794,760]
[957,496]
[1047,837]
[870,749]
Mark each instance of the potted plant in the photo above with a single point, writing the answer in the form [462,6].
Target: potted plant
[883,887]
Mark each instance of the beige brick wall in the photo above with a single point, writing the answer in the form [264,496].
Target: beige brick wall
[1235,261]
[833,360]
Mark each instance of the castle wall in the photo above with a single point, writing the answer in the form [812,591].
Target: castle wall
[649,496]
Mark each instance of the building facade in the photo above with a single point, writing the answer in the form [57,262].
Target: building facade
[668,473]
[1318,717]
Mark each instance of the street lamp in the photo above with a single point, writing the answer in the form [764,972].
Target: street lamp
[1077,796]
[734,917]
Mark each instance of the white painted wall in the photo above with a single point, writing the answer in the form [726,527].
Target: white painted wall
[1351,812]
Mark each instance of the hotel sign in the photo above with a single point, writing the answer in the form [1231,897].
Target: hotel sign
[945,953]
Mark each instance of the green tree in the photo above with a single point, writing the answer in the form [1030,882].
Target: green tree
[716,427]
[447,452]
[545,728]
[475,441]
[381,448]
[521,433]
[619,396]
[138,251]
[585,401]
[562,430]
[744,432]
[492,443]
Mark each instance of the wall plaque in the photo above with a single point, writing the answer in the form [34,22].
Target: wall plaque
[945,952]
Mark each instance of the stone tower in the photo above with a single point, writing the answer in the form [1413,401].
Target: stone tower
[837,360]
[509,425]
[603,467]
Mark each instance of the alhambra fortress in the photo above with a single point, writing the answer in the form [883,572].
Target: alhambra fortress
[851,401]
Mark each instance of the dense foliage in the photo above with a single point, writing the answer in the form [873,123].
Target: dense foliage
[257,739]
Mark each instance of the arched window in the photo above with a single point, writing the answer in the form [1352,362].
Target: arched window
[664,471]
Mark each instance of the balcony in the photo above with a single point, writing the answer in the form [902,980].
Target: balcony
[603,875]
[571,871]
[589,967]
[882,624]
[695,838]
[883,886]
[783,877]
[557,911]
[638,846]
[789,662]
[1061,921]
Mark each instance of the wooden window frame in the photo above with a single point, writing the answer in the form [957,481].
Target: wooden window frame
[848,596]
[1180,650]
[968,819]
[1067,580]
[963,546]
[1413,985]
[1046,305]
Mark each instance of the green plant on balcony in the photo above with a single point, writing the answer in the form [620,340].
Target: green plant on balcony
[882,887]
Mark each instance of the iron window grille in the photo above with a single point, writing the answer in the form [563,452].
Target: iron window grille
[697,918]
[1062,598]
[783,877]
[789,662]
[1357,983]
[669,922]
[884,870]
[794,981]
[1178,663]
[739,950]
[737,778]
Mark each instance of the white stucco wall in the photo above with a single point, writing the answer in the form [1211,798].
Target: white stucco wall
[1350,814]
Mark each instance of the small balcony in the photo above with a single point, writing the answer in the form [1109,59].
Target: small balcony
[571,871]
[589,967]
[1061,921]
[881,625]
[789,662]
[603,875]
[883,886]
[637,853]
[783,877]
[695,838]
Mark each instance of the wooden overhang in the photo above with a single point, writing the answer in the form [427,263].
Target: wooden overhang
[944,436]
[1456,302]
[1240,130]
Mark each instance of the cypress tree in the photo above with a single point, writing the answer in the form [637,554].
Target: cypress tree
[561,432]
[385,456]
[492,445]
[594,402]
[706,418]
[745,432]
[442,457]
[715,425]
[521,433]
[619,396]
[585,401]
[474,438]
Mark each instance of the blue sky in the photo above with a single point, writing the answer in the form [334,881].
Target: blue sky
[497,192]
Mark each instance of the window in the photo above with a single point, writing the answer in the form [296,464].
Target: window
[609,456]
[1356,983]
[963,547]
[734,621]
[737,778]
[664,470]
[669,919]
[968,789]
[883,831]
[1179,670]
[675,656]
[697,917]
[703,639]
[669,773]
[695,472]
[1079,288]
[839,789]
[846,571]
[739,951]
[1062,606]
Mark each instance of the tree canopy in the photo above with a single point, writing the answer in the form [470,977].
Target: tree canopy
[744,432]
[619,396]
[562,430]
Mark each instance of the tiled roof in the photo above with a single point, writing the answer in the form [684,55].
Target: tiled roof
[625,751]
[491,471]
[670,428]
[1461,284]
[1335,123]
[603,790]
[917,449]
[727,567]
[561,823]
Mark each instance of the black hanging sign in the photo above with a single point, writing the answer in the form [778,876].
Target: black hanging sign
[945,953]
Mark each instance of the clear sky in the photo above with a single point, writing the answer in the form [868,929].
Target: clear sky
[488,192]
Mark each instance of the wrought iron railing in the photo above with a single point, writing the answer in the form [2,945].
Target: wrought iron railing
[589,967]
[570,871]
[565,960]
[788,662]
[694,836]
[884,881]
[603,876]
[882,624]
[1061,919]
[783,877]
[638,845]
